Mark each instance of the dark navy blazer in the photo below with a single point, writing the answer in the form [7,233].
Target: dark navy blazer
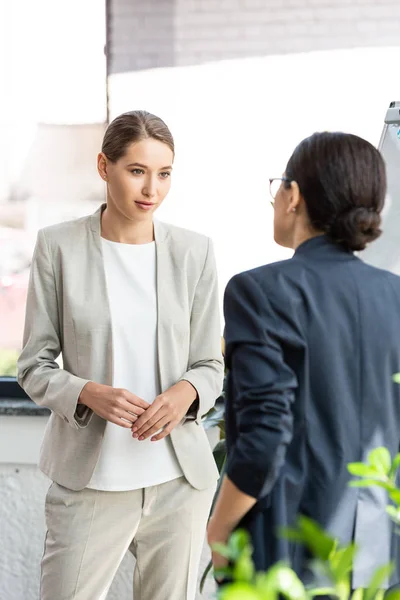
[312,344]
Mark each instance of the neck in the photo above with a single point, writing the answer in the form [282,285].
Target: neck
[302,235]
[117,228]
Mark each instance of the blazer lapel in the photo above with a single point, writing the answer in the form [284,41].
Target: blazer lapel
[98,288]
[165,278]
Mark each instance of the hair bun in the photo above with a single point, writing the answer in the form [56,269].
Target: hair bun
[356,227]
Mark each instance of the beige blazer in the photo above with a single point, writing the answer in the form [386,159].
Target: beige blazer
[67,312]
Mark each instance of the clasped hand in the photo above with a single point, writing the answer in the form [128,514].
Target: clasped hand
[166,412]
[125,409]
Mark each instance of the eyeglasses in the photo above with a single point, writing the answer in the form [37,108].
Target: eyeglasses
[274,185]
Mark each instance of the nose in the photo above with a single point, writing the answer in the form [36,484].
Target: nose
[150,188]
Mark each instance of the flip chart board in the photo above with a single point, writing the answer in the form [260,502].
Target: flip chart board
[385,252]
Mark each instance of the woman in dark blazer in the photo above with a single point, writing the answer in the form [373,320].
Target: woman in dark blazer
[311,347]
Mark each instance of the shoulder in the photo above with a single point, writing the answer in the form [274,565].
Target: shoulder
[267,290]
[182,236]
[375,275]
[64,232]
[185,243]
[266,276]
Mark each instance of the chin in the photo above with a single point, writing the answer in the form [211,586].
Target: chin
[278,239]
[136,214]
[281,241]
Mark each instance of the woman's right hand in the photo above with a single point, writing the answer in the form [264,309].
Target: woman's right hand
[113,404]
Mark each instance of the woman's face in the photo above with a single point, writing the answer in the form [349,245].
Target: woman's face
[139,181]
[284,216]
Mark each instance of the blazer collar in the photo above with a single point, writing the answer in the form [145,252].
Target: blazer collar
[321,247]
[161,230]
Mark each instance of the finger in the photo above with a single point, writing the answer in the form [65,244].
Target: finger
[132,410]
[123,418]
[146,416]
[133,415]
[159,425]
[119,421]
[166,431]
[131,418]
[160,414]
[136,401]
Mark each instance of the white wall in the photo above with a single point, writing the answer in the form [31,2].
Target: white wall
[235,125]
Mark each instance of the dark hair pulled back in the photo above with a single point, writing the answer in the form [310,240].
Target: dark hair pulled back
[342,179]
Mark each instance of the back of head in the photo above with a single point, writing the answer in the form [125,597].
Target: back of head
[342,179]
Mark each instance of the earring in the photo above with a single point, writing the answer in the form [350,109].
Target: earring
[293,209]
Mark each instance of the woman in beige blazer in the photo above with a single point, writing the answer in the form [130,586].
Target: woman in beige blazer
[131,304]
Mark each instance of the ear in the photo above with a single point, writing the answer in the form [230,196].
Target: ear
[102,164]
[294,197]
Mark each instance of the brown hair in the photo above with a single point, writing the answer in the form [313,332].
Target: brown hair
[342,179]
[133,127]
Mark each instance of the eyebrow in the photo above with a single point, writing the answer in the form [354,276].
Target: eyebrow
[146,167]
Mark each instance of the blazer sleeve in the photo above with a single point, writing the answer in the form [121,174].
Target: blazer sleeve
[38,373]
[260,387]
[206,366]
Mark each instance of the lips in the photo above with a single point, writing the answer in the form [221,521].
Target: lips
[145,205]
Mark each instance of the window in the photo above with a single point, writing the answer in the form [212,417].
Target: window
[52,120]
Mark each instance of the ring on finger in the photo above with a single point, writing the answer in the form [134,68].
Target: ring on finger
[127,420]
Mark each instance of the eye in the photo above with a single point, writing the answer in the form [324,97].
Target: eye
[137,171]
[165,175]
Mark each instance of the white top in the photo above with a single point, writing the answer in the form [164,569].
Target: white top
[124,462]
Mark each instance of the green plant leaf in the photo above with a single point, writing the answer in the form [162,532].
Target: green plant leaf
[219,454]
[371,482]
[283,580]
[380,459]
[343,589]
[244,568]
[395,496]
[396,377]
[223,550]
[240,591]
[205,575]
[322,591]
[378,579]
[358,594]
[263,586]
[395,465]
[342,562]
[394,514]
[311,535]
[289,533]
[362,470]
[321,572]
[315,538]
[239,542]
[392,594]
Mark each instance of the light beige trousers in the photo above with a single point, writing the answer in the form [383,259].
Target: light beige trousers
[89,532]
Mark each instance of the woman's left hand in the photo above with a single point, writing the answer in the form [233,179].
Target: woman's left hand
[166,412]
